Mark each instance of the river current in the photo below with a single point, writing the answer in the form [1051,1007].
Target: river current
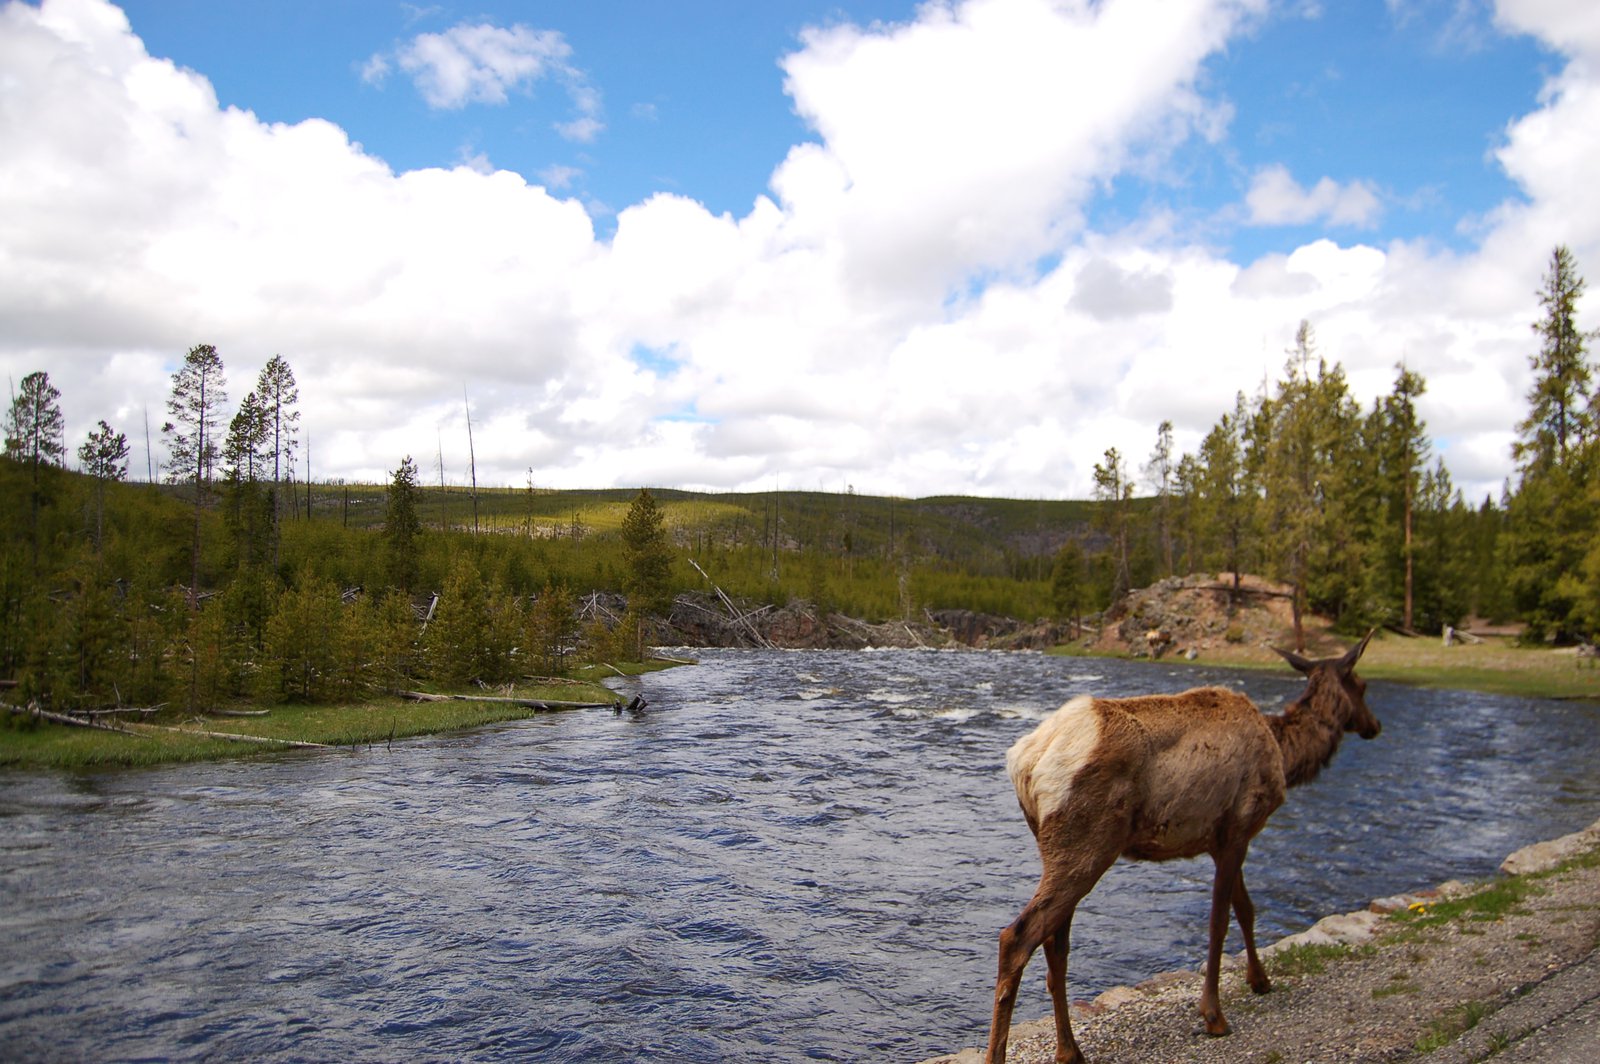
[790,856]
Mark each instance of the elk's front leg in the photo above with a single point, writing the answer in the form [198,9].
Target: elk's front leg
[1221,902]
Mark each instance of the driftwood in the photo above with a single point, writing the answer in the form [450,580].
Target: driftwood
[528,703]
[240,712]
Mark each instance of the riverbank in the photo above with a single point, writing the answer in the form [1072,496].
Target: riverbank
[1454,973]
[172,735]
[1493,666]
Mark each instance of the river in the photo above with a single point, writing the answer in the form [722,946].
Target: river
[790,856]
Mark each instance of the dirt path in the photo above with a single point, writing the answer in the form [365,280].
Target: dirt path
[1473,972]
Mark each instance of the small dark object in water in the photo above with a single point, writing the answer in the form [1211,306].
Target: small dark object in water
[634,708]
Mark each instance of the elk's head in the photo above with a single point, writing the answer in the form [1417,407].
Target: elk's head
[1336,678]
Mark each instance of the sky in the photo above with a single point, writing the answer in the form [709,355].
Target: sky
[950,247]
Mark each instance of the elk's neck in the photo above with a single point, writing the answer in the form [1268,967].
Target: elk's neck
[1308,739]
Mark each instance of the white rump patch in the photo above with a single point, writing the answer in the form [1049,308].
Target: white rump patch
[1043,763]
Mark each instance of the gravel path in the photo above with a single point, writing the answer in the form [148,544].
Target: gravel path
[1512,974]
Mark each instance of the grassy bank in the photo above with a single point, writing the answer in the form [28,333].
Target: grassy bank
[176,736]
[1493,666]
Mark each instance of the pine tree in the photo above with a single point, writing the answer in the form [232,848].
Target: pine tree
[1113,489]
[277,394]
[301,658]
[104,456]
[1393,460]
[457,640]
[1066,584]
[401,526]
[552,629]
[1306,439]
[247,507]
[1552,516]
[196,402]
[34,423]
[34,439]
[1158,472]
[1561,415]
[1225,497]
[649,556]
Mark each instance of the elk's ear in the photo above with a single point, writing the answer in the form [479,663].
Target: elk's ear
[1348,662]
[1301,664]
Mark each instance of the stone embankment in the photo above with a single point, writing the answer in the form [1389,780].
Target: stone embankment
[1453,974]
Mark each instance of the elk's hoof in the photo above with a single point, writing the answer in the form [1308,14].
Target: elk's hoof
[1216,1026]
[1262,985]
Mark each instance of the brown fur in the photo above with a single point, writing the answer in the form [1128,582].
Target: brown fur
[1154,778]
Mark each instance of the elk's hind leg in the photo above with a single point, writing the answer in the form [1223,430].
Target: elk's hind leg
[1041,922]
[1055,954]
[1245,911]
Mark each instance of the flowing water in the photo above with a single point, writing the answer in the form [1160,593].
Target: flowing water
[792,855]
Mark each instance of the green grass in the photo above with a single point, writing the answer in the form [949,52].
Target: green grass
[1453,1025]
[1400,984]
[1297,961]
[45,745]
[1494,666]
[1492,902]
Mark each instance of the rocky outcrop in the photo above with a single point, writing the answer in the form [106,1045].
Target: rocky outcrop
[1184,614]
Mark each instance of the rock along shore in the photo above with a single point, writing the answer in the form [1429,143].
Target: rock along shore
[1519,982]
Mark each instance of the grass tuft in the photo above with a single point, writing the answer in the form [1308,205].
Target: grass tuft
[1453,1024]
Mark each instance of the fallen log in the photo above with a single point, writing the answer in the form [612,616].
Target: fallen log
[526,703]
[144,730]
[62,718]
[235,737]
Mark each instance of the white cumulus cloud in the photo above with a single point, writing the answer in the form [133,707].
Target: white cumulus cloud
[1276,198]
[484,64]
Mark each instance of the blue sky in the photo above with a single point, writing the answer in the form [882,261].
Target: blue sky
[1411,100]
[918,248]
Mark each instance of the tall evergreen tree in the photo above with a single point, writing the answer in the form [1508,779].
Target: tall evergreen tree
[196,402]
[1225,500]
[34,439]
[104,455]
[649,556]
[1551,518]
[1405,455]
[1159,472]
[34,423]
[1306,439]
[1114,489]
[277,394]
[1561,415]
[248,504]
[401,525]
[1066,584]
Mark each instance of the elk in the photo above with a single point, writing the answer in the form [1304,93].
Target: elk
[1155,778]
